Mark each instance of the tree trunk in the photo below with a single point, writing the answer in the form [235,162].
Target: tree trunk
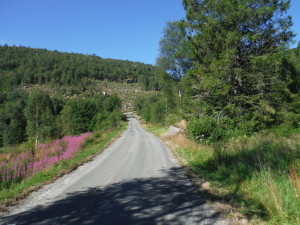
[36,128]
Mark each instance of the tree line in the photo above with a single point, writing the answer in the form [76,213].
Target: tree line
[227,69]
[37,117]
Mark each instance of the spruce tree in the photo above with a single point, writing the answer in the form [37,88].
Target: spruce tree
[236,47]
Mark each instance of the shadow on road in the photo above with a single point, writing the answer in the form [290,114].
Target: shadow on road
[160,200]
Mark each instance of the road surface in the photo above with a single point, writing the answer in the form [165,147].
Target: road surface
[136,180]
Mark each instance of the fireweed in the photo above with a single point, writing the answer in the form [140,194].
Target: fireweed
[27,164]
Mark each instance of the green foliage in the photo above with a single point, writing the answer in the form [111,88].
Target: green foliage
[89,114]
[105,120]
[240,76]
[291,69]
[21,65]
[240,96]
[202,128]
[12,119]
[89,150]
[112,103]
[252,172]
[284,130]
[174,52]
[151,108]
[172,119]
[158,111]
[39,115]
[169,88]
[115,118]
[237,50]
[101,120]
[216,129]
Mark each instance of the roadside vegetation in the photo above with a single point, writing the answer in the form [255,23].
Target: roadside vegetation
[50,163]
[255,179]
[43,137]
[228,72]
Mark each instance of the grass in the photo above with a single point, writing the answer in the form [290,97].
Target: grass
[92,147]
[157,130]
[16,149]
[259,176]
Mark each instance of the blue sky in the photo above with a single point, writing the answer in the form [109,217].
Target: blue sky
[121,29]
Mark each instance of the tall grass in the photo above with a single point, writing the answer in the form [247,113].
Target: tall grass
[260,173]
[295,179]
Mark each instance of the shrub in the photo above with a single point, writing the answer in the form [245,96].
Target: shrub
[145,113]
[115,118]
[101,121]
[284,130]
[172,119]
[112,103]
[201,128]
[158,112]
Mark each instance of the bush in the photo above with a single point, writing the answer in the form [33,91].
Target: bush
[201,128]
[172,119]
[289,119]
[239,129]
[158,112]
[112,103]
[212,130]
[77,116]
[145,114]
[101,121]
[151,108]
[284,130]
[115,118]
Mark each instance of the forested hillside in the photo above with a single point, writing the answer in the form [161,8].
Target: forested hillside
[49,94]
[22,65]
[228,72]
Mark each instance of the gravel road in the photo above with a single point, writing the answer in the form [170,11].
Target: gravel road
[136,180]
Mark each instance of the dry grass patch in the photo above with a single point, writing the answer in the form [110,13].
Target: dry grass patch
[295,179]
[182,124]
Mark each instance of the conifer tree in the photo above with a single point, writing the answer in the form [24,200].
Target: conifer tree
[236,46]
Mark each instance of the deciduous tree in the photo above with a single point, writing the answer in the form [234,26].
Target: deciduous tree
[174,57]
[39,115]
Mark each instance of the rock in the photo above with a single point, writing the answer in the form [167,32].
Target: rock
[173,130]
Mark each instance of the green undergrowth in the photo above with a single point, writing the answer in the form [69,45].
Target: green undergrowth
[157,130]
[92,146]
[255,173]
[258,175]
